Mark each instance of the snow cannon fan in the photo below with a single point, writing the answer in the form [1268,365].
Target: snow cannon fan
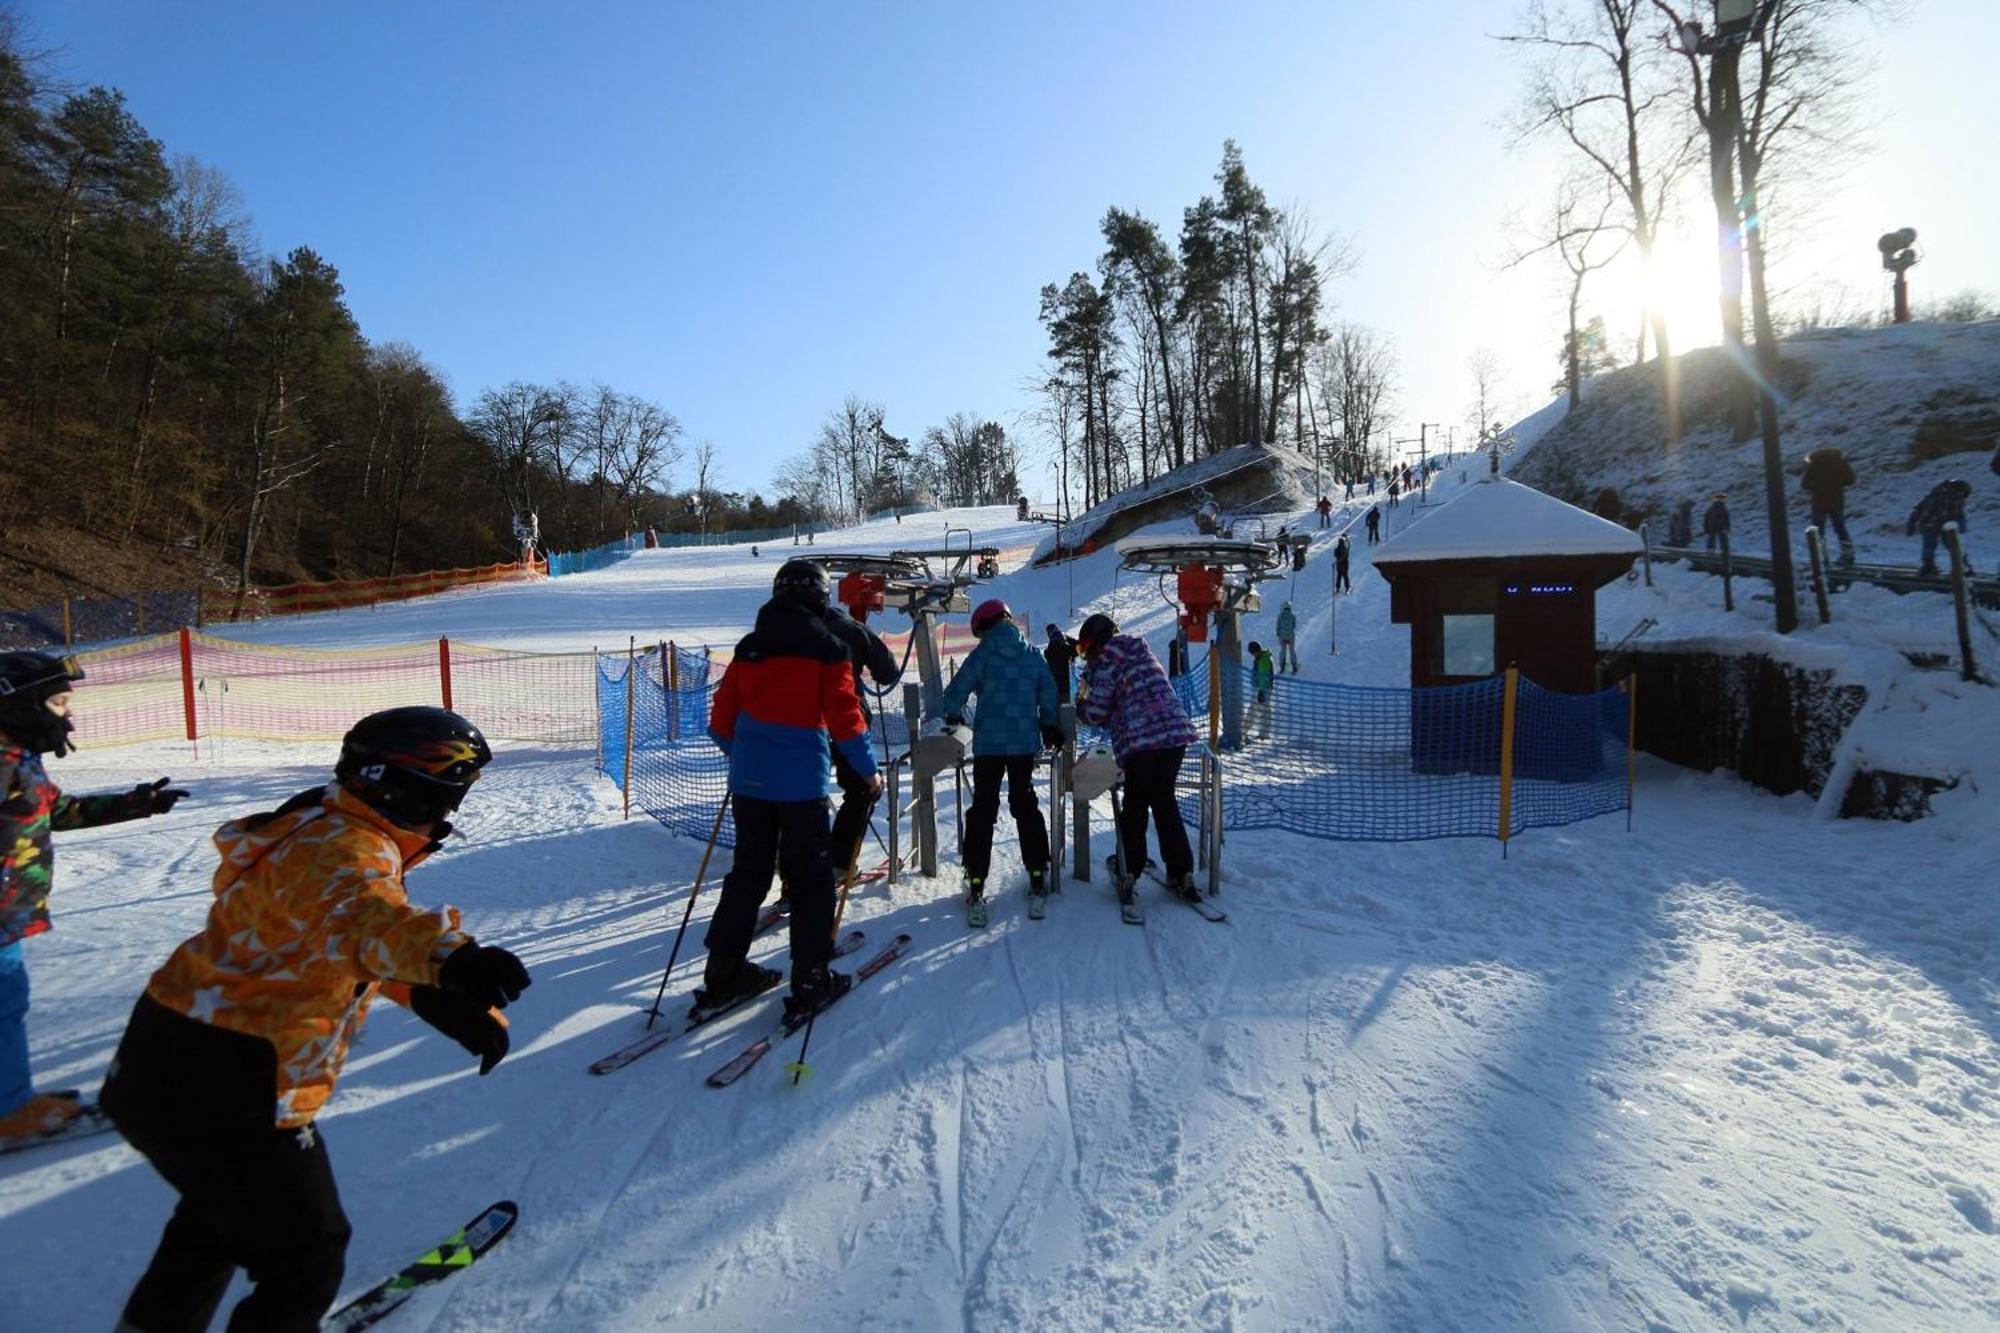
[1201,593]
[861,593]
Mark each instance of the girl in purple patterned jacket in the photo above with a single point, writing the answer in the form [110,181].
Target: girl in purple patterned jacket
[1125,688]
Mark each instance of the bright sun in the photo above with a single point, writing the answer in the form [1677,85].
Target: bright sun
[1682,288]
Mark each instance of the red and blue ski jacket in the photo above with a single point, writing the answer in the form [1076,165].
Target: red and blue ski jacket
[789,688]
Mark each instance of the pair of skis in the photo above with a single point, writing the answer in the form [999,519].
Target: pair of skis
[1134,915]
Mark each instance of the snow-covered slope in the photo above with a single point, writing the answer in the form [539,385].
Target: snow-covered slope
[1735,1068]
[1866,391]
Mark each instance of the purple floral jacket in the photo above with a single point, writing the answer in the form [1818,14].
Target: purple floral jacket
[1126,689]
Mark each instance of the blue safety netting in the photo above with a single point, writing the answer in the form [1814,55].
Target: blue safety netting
[597,557]
[1340,762]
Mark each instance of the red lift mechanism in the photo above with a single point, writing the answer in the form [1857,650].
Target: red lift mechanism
[1200,589]
[861,592]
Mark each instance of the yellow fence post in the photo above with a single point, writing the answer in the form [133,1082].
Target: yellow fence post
[673,655]
[631,673]
[1507,757]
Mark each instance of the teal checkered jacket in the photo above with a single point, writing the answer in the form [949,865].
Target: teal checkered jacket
[1017,695]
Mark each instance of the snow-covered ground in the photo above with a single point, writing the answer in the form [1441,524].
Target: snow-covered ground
[1738,1067]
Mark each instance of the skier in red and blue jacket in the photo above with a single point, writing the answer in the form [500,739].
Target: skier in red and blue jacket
[788,691]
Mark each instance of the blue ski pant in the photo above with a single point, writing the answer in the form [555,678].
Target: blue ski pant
[16,1086]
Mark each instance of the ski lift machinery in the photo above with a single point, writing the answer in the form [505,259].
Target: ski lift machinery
[924,585]
[1215,580]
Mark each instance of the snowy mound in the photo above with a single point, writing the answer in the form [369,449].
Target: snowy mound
[1910,406]
[1249,479]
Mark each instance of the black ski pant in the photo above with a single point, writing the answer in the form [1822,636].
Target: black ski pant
[1149,792]
[200,1103]
[850,822]
[788,837]
[1340,583]
[1019,770]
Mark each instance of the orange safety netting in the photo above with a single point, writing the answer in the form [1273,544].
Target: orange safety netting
[218,688]
[293,598]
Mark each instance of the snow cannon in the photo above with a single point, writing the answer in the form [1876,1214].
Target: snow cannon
[861,593]
[1094,773]
[939,747]
[1200,588]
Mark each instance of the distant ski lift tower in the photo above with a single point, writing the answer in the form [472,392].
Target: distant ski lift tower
[1898,256]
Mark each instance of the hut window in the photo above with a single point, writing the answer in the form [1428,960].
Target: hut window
[1468,644]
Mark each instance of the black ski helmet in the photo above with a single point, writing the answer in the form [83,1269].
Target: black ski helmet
[414,764]
[28,681]
[1094,633]
[803,581]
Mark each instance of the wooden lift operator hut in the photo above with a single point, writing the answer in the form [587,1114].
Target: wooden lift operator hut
[1502,576]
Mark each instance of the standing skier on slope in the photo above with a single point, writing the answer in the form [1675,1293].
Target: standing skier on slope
[35,692]
[1341,552]
[1016,718]
[240,1036]
[1125,689]
[866,651]
[788,689]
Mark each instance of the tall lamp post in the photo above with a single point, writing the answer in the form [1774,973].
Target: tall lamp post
[1737,22]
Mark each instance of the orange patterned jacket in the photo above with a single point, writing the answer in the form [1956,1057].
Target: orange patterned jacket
[310,919]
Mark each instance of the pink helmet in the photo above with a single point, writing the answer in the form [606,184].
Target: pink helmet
[988,614]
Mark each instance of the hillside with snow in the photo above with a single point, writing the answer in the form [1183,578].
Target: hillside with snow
[1882,396]
[1738,1067]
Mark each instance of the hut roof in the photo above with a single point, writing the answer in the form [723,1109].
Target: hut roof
[1495,518]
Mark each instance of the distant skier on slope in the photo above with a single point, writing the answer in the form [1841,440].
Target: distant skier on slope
[788,691]
[1341,552]
[1288,635]
[1125,689]
[1826,477]
[1016,719]
[1263,678]
[1374,523]
[35,690]
[1944,504]
[240,1036]
[1715,522]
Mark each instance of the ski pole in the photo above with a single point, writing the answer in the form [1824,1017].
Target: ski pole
[798,1069]
[700,874]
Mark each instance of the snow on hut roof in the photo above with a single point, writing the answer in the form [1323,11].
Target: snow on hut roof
[1498,518]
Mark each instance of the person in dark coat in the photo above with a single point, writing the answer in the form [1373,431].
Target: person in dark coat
[1374,522]
[867,652]
[1060,652]
[1340,554]
[1715,522]
[1680,528]
[1945,504]
[786,696]
[1325,508]
[1827,476]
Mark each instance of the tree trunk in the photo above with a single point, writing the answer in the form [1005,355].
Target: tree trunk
[1724,117]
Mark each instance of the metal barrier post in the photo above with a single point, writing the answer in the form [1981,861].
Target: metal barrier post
[1513,680]
[1967,668]
[1728,597]
[596,688]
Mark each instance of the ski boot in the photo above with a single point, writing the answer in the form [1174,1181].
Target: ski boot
[746,982]
[1183,887]
[1129,910]
[39,1116]
[1038,895]
[975,903]
[813,990]
[1846,560]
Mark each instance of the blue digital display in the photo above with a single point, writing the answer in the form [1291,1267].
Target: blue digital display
[1540,589]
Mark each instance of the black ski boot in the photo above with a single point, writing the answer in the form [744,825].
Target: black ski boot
[1182,886]
[1038,895]
[748,980]
[1129,910]
[815,990]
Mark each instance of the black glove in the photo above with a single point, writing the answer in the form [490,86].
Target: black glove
[456,1014]
[1052,736]
[487,973]
[953,720]
[156,798]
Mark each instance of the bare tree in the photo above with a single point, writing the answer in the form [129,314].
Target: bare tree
[1356,373]
[1577,236]
[705,494]
[1598,82]
[1483,366]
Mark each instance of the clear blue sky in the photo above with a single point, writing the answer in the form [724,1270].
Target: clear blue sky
[746,211]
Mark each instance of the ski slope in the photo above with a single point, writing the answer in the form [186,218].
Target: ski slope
[1736,1068]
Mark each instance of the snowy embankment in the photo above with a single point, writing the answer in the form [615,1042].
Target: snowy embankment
[1735,1068]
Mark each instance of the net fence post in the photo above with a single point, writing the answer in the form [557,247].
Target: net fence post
[672,653]
[69,626]
[1513,680]
[597,699]
[631,672]
[1728,597]
[187,682]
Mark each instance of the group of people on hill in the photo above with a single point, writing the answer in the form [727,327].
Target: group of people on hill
[239,1037]
[1825,476]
